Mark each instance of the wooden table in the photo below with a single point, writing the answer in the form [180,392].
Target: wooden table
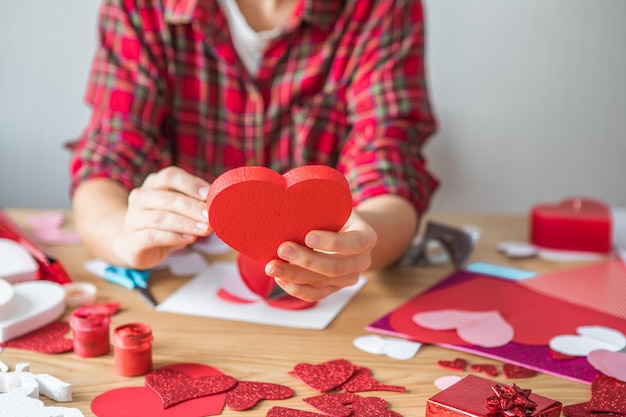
[266,353]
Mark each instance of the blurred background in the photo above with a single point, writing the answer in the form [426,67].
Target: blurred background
[530,97]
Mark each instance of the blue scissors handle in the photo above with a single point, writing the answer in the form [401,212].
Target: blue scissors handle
[132,279]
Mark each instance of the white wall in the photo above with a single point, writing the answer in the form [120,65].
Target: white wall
[530,97]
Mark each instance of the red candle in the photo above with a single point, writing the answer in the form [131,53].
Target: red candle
[575,224]
[132,349]
[90,328]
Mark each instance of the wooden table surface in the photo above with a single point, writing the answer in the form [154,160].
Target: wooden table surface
[267,353]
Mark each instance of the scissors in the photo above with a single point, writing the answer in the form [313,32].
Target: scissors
[132,279]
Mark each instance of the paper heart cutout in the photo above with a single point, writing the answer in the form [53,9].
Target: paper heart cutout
[175,387]
[513,371]
[48,339]
[17,264]
[588,339]
[373,406]
[246,394]
[445,382]
[290,412]
[143,401]
[325,376]
[394,348]
[481,328]
[486,369]
[333,404]
[458,364]
[254,209]
[362,380]
[46,228]
[610,363]
[608,395]
[36,304]
[253,276]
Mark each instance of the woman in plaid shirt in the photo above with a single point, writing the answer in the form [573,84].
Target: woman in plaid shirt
[184,90]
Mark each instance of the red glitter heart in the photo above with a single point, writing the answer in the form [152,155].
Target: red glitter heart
[48,339]
[333,404]
[290,412]
[325,376]
[560,356]
[514,371]
[175,387]
[608,395]
[372,406]
[362,380]
[456,365]
[246,395]
[580,410]
[486,369]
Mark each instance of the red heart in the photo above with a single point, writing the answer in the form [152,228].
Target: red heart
[362,380]
[333,404]
[325,376]
[456,365]
[48,339]
[254,209]
[290,412]
[372,406]
[514,371]
[175,387]
[608,395]
[246,394]
[488,370]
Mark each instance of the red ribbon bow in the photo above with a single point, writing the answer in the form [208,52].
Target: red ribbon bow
[512,399]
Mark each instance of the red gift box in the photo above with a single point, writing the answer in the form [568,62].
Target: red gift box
[469,396]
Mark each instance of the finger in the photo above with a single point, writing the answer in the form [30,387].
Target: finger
[163,202]
[354,239]
[298,275]
[165,221]
[305,292]
[328,264]
[177,179]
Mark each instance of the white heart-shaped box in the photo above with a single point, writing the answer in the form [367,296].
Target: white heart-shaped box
[35,304]
[16,264]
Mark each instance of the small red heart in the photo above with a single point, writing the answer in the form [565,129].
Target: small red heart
[362,380]
[290,412]
[254,209]
[333,404]
[488,370]
[174,386]
[246,395]
[514,371]
[372,406]
[48,339]
[325,376]
[456,365]
[608,395]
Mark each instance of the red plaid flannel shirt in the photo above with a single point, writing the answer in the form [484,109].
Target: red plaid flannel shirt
[343,85]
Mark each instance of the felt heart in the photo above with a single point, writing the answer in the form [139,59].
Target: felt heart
[481,328]
[513,371]
[445,382]
[333,404]
[36,303]
[48,339]
[254,209]
[486,369]
[325,376]
[175,387]
[394,348]
[362,380]
[17,264]
[456,365]
[143,401]
[290,412]
[610,363]
[246,395]
[588,339]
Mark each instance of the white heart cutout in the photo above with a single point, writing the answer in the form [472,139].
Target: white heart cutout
[399,349]
[588,339]
[16,264]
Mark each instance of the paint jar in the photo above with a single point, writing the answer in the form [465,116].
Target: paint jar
[90,329]
[132,349]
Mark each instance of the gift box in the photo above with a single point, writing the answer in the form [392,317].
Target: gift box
[481,397]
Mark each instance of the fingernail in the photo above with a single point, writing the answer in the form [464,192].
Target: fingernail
[313,240]
[286,252]
[186,236]
[204,215]
[273,271]
[202,226]
[203,191]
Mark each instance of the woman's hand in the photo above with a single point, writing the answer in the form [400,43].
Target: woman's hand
[329,261]
[166,213]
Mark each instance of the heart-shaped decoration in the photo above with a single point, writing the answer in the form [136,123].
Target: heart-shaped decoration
[513,371]
[35,304]
[458,364]
[325,376]
[246,395]
[175,387]
[373,406]
[481,328]
[608,395]
[394,348]
[254,209]
[445,382]
[48,339]
[489,370]
[7,297]
[291,412]
[588,339]
[17,264]
[610,363]
[362,380]
[333,404]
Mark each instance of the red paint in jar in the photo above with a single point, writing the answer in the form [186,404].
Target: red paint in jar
[132,349]
[90,329]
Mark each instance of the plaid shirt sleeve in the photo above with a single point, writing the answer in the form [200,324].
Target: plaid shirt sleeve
[123,140]
[390,107]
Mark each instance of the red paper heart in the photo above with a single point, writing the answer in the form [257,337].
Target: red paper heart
[456,365]
[608,395]
[514,371]
[254,209]
[362,380]
[143,401]
[246,395]
[48,339]
[175,387]
[486,369]
[333,404]
[372,406]
[325,376]
[290,412]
